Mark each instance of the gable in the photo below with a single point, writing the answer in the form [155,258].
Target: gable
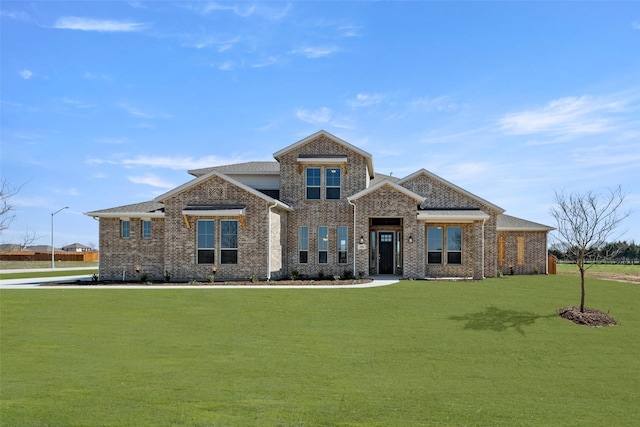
[216,192]
[386,185]
[440,193]
[323,147]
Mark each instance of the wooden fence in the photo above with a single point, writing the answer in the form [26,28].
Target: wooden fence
[46,256]
[551,261]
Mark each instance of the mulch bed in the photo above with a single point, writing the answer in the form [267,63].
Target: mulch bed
[590,317]
[219,283]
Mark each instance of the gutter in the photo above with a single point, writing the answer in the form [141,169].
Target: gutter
[354,237]
[275,203]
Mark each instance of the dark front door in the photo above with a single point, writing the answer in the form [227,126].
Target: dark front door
[385,253]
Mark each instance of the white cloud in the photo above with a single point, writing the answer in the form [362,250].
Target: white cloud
[635,25]
[565,116]
[68,192]
[315,52]
[75,103]
[136,112]
[320,116]
[177,163]
[365,100]
[112,141]
[440,103]
[226,66]
[26,74]
[17,15]
[152,180]
[88,24]
[242,9]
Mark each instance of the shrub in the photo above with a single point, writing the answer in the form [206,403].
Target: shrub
[347,274]
[321,274]
[294,274]
[167,276]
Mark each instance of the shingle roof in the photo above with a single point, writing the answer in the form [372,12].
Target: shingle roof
[267,167]
[508,222]
[136,208]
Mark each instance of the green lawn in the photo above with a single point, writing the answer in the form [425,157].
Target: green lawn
[490,353]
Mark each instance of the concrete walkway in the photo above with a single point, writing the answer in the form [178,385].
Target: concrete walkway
[36,283]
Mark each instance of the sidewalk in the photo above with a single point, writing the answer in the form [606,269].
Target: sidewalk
[37,282]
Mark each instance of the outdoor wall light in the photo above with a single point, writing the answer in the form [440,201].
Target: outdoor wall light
[137,269]
[410,239]
[361,240]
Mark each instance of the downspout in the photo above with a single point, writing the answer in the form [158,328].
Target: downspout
[483,221]
[269,239]
[354,237]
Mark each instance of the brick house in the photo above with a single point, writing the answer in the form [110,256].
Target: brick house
[320,208]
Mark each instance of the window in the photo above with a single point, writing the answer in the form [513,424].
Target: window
[342,245]
[520,250]
[332,183]
[125,229]
[323,245]
[454,245]
[146,229]
[434,245]
[303,245]
[313,183]
[228,242]
[206,241]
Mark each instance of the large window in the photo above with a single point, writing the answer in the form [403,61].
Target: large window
[228,241]
[146,229]
[125,229]
[343,244]
[454,245]
[313,183]
[303,245]
[332,183]
[323,245]
[206,241]
[434,245]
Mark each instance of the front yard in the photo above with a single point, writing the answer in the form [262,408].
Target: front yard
[492,352]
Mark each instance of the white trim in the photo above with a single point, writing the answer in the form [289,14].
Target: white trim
[217,212]
[323,160]
[452,217]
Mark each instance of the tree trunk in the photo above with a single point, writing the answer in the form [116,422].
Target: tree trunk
[582,289]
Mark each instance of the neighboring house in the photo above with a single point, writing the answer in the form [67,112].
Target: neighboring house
[77,247]
[320,208]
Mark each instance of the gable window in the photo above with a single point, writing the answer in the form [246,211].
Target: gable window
[206,241]
[434,245]
[228,242]
[303,245]
[323,244]
[454,245]
[146,229]
[125,228]
[342,245]
[313,183]
[332,183]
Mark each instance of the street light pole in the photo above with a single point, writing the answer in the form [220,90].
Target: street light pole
[53,251]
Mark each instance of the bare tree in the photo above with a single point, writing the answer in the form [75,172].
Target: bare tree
[585,223]
[7,191]
[28,238]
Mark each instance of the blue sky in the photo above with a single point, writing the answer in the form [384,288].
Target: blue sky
[109,103]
